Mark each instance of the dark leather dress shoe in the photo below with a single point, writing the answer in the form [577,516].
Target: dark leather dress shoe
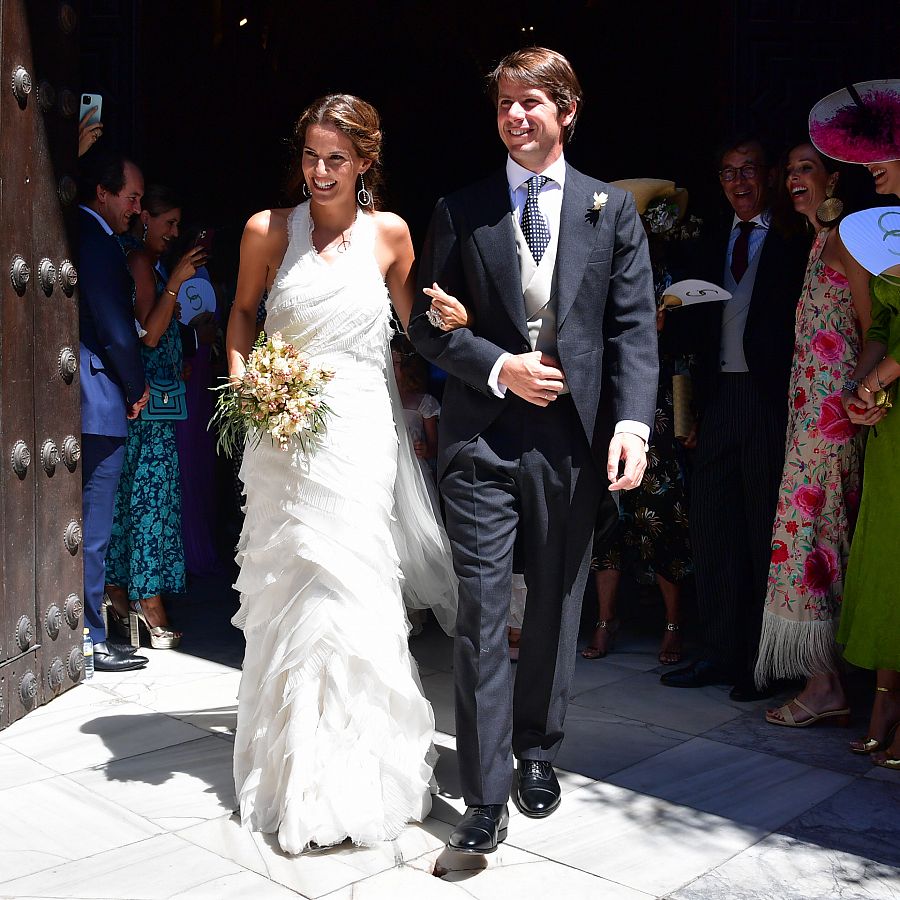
[481,829]
[746,691]
[537,790]
[108,658]
[701,673]
[123,649]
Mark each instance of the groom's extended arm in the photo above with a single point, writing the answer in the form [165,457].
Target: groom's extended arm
[459,353]
[630,355]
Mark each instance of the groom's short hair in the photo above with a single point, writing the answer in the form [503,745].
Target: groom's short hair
[542,68]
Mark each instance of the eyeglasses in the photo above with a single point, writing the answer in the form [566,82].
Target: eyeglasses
[730,173]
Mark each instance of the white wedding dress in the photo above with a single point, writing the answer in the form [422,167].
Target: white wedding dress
[334,735]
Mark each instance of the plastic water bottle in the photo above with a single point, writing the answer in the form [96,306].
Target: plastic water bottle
[88,655]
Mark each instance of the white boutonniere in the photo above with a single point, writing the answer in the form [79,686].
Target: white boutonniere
[593,212]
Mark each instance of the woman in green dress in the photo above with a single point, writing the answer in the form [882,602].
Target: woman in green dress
[862,125]
[145,558]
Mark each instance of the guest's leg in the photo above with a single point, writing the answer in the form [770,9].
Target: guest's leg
[101,460]
[885,709]
[718,534]
[762,463]
[607,581]
[670,650]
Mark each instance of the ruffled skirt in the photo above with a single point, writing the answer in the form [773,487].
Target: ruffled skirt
[334,736]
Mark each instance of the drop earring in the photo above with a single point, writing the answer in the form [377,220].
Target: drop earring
[830,209]
[305,191]
[363,196]
[144,235]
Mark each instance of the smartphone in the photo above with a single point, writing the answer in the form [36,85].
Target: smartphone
[87,101]
[205,239]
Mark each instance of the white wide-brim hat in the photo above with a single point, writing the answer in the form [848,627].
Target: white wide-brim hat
[872,238]
[859,124]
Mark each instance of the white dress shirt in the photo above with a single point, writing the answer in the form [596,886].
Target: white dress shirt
[550,205]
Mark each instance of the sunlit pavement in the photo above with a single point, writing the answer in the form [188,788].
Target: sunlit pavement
[121,788]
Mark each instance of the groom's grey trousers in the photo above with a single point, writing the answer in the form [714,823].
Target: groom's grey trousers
[530,472]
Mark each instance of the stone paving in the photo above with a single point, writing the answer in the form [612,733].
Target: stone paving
[122,789]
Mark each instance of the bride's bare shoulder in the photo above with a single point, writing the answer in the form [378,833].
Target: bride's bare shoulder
[268,225]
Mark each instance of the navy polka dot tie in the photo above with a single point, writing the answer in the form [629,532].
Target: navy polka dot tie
[534,225]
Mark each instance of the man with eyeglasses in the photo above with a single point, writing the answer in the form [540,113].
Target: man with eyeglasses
[744,349]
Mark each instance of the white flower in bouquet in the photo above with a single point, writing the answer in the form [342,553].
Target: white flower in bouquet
[279,394]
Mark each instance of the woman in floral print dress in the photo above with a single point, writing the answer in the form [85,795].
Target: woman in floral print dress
[820,484]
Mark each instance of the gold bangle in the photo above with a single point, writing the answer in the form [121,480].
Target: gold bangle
[863,385]
[175,295]
[878,378]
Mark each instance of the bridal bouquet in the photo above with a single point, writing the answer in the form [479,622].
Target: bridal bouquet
[280,394]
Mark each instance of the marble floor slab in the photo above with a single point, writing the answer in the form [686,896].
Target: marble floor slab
[174,788]
[154,869]
[209,702]
[787,869]
[598,743]
[318,873]
[863,819]
[594,673]
[746,787]
[629,838]
[79,738]
[822,745]
[16,769]
[643,698]
[42,826]
[515,873]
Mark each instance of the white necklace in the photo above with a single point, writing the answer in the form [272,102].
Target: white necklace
[342,247]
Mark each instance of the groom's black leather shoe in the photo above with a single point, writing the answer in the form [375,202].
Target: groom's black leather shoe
[481,829]
[107,658]
[537,790]
[123,649]
[701,673]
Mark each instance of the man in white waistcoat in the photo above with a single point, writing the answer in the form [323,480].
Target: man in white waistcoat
[547,409]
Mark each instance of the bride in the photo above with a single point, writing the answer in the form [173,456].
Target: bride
[334,736]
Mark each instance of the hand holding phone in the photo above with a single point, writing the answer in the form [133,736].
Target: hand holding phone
[90,128]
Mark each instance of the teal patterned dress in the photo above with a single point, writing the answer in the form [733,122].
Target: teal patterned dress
[145,554]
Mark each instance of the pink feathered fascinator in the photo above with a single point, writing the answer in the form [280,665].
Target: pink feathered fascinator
[860,123]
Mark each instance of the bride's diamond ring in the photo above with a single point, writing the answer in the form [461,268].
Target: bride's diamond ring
[435,318]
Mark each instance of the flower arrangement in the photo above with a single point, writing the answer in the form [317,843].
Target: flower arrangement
[662,218]
[279,394]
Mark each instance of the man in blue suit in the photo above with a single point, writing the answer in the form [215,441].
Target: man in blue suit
[113,386]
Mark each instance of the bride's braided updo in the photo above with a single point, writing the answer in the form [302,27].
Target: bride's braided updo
[358,120]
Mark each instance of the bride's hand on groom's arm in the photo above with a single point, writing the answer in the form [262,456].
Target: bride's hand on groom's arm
[453,313]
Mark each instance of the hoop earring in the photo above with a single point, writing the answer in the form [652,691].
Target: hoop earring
[364,197]
[831,208]
[306,191]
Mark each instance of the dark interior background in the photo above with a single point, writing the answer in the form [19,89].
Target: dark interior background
[207,105]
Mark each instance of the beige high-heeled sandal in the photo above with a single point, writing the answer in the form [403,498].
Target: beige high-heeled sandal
[161,638]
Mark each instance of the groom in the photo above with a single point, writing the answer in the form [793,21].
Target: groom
[551,386]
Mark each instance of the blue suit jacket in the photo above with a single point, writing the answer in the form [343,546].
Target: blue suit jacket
[112,372]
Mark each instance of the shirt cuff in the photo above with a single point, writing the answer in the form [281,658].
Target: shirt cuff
[139,328]
[499,390]
[629,426]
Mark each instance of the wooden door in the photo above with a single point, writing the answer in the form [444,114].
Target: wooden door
[40,475]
